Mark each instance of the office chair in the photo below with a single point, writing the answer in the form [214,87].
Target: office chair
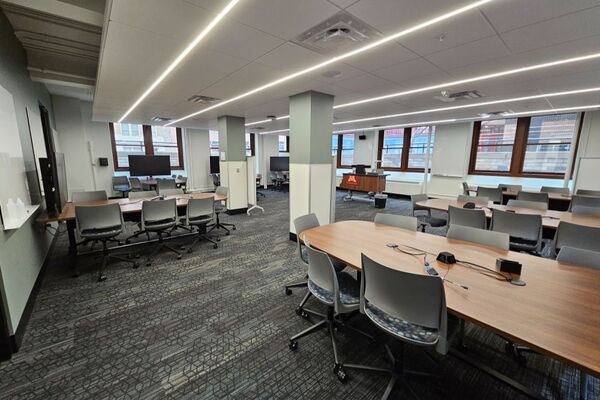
[183,184]
[581,257]
[283,180]
[587,201]
[199,213]
[258,180]
[159,216]
[429,220]
[508,187]
[163,184]
[171,192]
[146,194]
[121,184]
[466,189]
[493,194]
[101,223]
[415,314]
[78,197]
[534,205]
[219,208]
[573,235]
[274,180]
[552,189]
[136,184]
[467,217]
[540,197]
[399,221]
[478,200]
[302,224]
[216,179]
[525,230]
[498,240]
[583,210]
[586,192]
[339,292]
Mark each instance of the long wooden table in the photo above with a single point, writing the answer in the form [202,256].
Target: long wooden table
[550,218]
[556,313]
[130,209]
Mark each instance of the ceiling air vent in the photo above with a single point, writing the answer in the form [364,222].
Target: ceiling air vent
[203,99]
[161,119]
[448,97]
[342,32]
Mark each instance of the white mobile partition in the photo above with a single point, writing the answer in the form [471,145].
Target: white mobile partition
[251,174]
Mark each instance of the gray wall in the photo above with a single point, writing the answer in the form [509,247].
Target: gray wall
[22,251]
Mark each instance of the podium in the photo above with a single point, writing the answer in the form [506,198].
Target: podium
[369,183]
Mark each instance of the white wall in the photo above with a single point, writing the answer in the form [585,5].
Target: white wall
[267,147]
[197,158]
[589,146]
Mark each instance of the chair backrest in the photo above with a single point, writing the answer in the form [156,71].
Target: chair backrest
[478,200]
[582,257]
[399,221]
[536,205]
[466,217]
[414,298]
[587,201]
[586,192]
[216,178]
[301,224]
[513,188]
[120,181]
[518,226]
[171,192]
[494,194]
[163,184]
[199,208]
[135,183]
[159,210]
[553,189]
[498,240]
[540,197]
[583,210]
[90,218]
[579,236]
[148,194]
[222,190]
[89,196]
[415,198]
[465,187]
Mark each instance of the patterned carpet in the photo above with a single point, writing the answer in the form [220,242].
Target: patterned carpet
[216,324]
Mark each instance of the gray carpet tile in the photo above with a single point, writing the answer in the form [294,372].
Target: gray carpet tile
[216,324]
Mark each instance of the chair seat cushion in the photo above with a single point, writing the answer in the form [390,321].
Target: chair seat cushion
[401,328]
[436,222]
[349,290]
[101,233]
[159,225]
[201,219]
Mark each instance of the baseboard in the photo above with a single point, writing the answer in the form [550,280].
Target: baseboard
[237,211]
[293,237]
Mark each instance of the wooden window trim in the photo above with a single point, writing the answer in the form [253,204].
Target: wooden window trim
[404,158]
[252,145]
[339,152]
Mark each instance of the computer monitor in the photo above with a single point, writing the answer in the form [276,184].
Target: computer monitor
[280,164]
[214,165]
[149,165]
[360,169]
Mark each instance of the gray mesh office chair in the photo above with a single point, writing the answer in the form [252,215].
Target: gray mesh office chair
[216,179]
[498,240]
[493,194]
[408,307]
[465,188]
[399,221]
[101,223]
[525,230]
[587,201]
[136,184]
[171,192]
[508,187]
[220,208]
[586,192]
[535,205]
[302,224]
[467,217]
[429,220]
[573,235]
[540,197]
[552,189]
[339,292]
[159,216]
[478,200]
[582,257]
[583,210]
[93,195]
[163,184]
[121,184]
[200,213]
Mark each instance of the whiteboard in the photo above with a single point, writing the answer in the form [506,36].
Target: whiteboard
[37,140]
[587,174]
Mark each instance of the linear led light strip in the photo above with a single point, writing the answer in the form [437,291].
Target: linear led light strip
[182,55]
[552,110]
[341,57]
[267,120]
[485,103]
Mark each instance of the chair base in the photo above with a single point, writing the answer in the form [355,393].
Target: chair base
[288,288]
[161,245]
[107,258]
[203,235]
[220,225]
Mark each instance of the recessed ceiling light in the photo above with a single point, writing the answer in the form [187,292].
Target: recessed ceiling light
[182,55]
[344,56]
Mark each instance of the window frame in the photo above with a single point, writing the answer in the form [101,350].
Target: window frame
[148,147]
[252,145]
[519,150]
[404,158]
[338,154]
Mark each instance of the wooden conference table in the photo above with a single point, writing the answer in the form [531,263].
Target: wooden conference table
[556,313]
[131,210]
[550,218]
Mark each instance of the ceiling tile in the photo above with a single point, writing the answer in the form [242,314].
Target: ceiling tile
[290,57]
[384,56]
[475,52]
[406,73]
[343,3]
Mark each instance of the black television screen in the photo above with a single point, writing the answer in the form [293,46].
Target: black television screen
[214,165]
[280,163]
[149,165]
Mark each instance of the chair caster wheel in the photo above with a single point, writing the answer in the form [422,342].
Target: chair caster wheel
[228,233]
[301,313]
[293,345]
[179,256]
[148,264]
[181,247]
[189,251]
[218,239]
[136,266]
[341,374]
[234,228]
[288,292]
[128,241]
[215,246]
[102,278]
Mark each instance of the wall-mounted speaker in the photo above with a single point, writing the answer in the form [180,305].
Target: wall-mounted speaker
[103,161]
[362,137]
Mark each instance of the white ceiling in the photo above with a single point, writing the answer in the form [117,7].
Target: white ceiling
[253,45]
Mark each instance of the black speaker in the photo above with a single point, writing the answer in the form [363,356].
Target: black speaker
[103,161]
[362,137]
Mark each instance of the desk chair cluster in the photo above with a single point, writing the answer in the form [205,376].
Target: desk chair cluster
[280,180]
[127,185]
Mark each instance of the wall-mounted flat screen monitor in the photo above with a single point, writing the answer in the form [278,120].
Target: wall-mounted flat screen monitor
[149,165]
[280,164]
[214,165]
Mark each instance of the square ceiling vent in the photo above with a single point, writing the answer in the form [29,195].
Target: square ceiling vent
[340,33]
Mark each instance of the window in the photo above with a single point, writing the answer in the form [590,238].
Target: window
[347,150]
[405,149]
[250,150]
[536,146]
[284,144]
[334,145]
[213,140]
[417,153]
[134,139]
[391,151]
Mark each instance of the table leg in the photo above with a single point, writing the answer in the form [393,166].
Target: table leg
[72,245]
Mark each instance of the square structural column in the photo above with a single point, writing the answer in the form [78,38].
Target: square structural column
[232,165]
[312,171]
